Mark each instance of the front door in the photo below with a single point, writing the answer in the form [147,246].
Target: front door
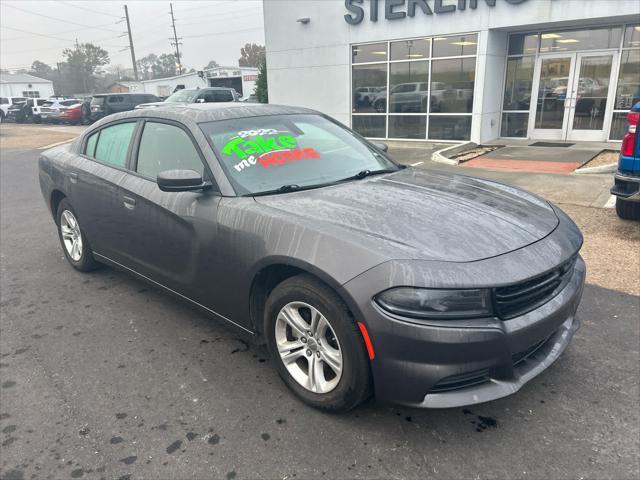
[574,96]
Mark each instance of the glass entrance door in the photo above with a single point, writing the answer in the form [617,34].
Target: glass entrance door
[591,99]
[573,96]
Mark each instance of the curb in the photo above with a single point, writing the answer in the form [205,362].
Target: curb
[440,157]
[611,168]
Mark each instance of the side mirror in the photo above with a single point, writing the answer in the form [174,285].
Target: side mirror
[381,146]
[180,181]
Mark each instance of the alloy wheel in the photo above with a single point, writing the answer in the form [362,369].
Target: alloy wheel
[308,347]
[71,236]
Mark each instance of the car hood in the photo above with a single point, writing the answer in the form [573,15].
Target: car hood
[423,215]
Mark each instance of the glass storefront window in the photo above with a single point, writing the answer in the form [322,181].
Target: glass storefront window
[373,126]
[514,125]
[455,46]
[410,49]
[523,44]
[408,87]
[373,52]
[593,90]
[408,126]
[452,85]
[628,91]
[444,127]
[632,36]
[518,83]
[619,126]
[369,87]
[571,41]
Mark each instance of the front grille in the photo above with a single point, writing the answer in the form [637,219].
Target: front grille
[521,298]
[463,380]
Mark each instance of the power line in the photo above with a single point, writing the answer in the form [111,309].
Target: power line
[58,19]
[37,34]
[223,33]
[69,4]
[62,33]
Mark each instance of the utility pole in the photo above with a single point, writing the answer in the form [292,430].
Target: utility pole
[175,40]
[133,53]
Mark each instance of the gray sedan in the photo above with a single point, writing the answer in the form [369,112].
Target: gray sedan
[362,277]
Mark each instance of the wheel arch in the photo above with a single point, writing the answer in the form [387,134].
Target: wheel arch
[273,271]
[55,198]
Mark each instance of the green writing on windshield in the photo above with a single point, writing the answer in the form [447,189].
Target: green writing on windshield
[242,148]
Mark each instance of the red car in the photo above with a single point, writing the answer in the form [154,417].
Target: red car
[71,114]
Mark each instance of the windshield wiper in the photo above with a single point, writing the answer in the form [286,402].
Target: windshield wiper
[368,173]
[285,189]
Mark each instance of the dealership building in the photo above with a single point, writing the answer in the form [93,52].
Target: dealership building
[455,70]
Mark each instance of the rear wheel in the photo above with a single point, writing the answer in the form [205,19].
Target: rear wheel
[74,243]
[627,210]
[316,345]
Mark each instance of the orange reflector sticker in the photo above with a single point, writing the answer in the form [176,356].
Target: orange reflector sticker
[367,340]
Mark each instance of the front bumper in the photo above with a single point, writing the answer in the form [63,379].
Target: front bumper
[626,187]
[443,365]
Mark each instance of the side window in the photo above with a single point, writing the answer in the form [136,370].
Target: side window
[113,144]
[4,100]
[166,147]
[116,99]
[90,148]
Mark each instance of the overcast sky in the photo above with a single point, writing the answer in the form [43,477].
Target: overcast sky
[211,29]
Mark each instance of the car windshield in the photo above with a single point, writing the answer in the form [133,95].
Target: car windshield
[97,100]
[267,153]
[186,96]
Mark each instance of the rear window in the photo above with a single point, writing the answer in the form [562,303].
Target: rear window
[41,102]
[68,103]
[218,96]
[97,100]
[48,103]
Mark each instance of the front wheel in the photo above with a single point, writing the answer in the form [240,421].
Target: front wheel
[627,210]
[75,246]
[316,345]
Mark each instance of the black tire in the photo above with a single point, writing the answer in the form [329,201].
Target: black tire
[627,210]
[86,262]
[354,385]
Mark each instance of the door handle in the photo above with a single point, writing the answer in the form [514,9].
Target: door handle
[129,202]
[73,177]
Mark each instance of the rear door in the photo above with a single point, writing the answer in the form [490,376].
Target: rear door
[95,187]
[172,235]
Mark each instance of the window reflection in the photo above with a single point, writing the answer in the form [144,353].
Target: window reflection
[517,90]
[370,125]
[452,85]
[408,87]
[410,49]
[408,126]
[572,40]
[443,127]
[369,88]
[455,46]
[373,52]
[628,91]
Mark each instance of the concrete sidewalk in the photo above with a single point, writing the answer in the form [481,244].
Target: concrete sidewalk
[584,190]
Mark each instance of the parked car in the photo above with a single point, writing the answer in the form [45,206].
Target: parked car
[6,102]
[51,109]
[197,95]
[35,109]
[71,114]
[20,112]
[627,178]
[253,98]
[107,103]
[429,288]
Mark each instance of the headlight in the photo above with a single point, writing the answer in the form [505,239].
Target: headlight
[436,304]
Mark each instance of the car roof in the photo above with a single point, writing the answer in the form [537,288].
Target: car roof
[123,93]
[212,112]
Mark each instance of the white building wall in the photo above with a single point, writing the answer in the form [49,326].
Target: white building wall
[309,65]
[16,89]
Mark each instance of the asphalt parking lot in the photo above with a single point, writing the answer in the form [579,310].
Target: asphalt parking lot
[102,376]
